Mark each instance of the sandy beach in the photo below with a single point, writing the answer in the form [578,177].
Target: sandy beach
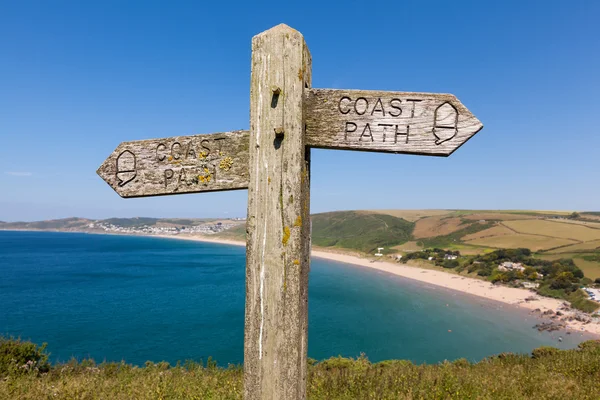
[523,298]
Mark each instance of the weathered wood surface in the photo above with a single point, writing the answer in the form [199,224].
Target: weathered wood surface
[396,122]
[278,225]
[181,164]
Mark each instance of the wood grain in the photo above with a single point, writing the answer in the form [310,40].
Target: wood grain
[180,164]
[278,225]
[395,122]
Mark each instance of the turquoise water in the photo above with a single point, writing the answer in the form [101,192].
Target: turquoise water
[141,298]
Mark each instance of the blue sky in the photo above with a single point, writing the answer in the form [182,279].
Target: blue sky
[79,77]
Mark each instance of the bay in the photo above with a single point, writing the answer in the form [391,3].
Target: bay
[135,299]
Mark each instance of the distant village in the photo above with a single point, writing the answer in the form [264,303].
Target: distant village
[209,228]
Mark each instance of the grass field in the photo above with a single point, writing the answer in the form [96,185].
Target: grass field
[593,225]
[554,229]
[436,226]
[591,269]
[411,215]
[498,230]
[579,247]
[408,246]
[532,242]
[497,216]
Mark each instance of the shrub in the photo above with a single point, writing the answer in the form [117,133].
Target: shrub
[20,357]
[589,345]
[450,264]
[544,351]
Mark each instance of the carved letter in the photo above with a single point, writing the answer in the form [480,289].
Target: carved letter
[158,148]
[412,112]
[182,175]
[384,126]
[340,105]
[356,104]
[347,131]
[218,140]
[398,133]
[168,175]
[203,144]
[375,108]
[363,133]
[190,150]
[397,107]
[175,154]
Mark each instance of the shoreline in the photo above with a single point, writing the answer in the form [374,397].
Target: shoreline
[463,284]
[525,299]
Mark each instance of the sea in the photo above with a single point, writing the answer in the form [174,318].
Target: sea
[137,299]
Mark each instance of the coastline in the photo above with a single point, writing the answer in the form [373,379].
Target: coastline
[525,299]
[475,287]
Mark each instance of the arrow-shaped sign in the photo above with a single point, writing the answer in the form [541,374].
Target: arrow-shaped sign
[395,122]
[180,164]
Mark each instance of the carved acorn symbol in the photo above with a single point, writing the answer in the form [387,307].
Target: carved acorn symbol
[125,168]
[445,123]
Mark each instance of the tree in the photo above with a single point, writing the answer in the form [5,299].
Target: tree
[563,280]
[450,264]
[574,215]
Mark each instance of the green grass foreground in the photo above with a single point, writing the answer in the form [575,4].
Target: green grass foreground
[546,374]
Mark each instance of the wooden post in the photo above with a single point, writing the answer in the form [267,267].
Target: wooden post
[278,225]
[273,161]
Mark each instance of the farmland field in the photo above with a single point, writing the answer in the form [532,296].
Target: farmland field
[436,226]
[497,215]
[532,242]
[591,269]
[589,224]
[412,215]
[579,247]
[498,230]
[555,229]
[408,246]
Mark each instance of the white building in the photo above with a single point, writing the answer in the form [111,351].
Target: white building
[510,266]
[530,285]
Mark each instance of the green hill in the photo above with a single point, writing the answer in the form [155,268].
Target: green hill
[358,230]
[54,224]
[355,230]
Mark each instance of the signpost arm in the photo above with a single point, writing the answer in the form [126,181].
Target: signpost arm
[278,225]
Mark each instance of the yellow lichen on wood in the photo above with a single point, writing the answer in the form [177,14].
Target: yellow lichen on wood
[204,178]
[226,163]
[202,155]
[296,262]
[286,235]
[298,221]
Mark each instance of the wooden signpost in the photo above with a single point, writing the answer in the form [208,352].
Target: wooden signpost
[272,161]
